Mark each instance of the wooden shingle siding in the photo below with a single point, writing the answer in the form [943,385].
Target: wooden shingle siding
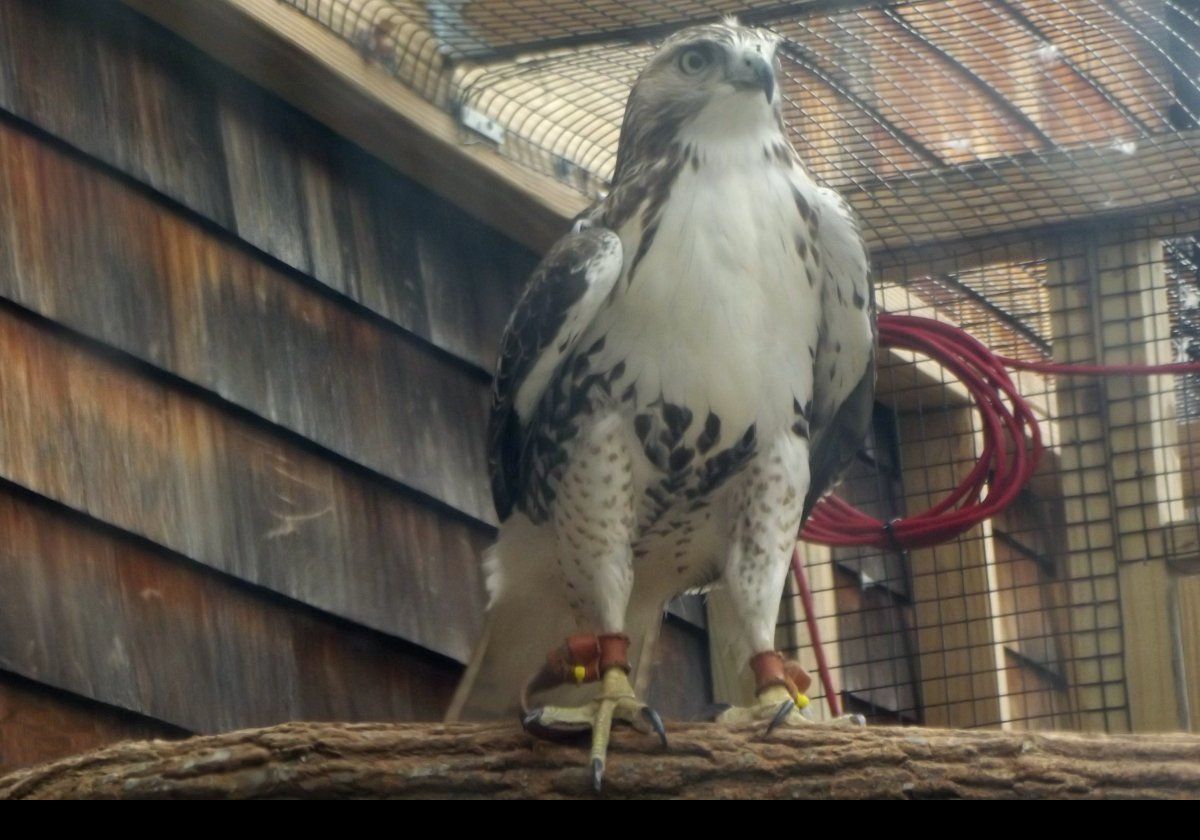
[158,284]
[680,682]
[151,458]
[39,723]
[244,375]
[104,616]
[123,90]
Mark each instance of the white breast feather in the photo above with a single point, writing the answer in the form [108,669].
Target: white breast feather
[720,313]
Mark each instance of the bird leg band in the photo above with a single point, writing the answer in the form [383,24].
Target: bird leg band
[582,658]
[771,669]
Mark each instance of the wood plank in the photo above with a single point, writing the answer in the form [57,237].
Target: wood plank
[154,119]
[314,69]
[1149,666]
[39,723]
[88,250]
[955,636]
[680,686]
[155,459]
[1187,598]
[172,118]
[169,639]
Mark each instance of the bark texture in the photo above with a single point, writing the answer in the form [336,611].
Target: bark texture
[333,760]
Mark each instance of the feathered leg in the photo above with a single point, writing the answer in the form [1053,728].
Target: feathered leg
[594,518]
[767,511]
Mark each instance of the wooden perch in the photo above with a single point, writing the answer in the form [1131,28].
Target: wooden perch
[705,760]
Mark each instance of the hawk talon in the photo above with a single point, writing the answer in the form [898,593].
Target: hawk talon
[616,703]
[656,723]
[782,714]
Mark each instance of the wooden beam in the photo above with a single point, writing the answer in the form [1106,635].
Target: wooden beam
[311,67]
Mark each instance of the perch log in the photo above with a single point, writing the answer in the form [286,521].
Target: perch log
[704,760]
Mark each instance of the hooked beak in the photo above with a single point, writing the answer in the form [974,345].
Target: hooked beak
[753,72]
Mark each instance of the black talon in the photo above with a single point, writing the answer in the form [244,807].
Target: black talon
[785,709]
[655,720]
[597,775]
[532,720]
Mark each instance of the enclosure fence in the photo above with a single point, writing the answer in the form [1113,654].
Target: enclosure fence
[1025,169]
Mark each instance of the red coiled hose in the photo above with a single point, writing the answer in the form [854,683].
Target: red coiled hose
[1012,447]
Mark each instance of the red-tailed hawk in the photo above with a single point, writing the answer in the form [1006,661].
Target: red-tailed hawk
[685,375]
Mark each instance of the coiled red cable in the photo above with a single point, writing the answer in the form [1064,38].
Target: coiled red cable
[1012,448]
[1012,442]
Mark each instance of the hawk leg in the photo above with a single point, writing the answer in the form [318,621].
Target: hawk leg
[588,659]
[780,687]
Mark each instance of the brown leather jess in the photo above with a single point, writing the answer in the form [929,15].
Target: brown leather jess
[770,669]
[594,653]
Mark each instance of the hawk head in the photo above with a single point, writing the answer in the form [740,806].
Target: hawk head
[718,74]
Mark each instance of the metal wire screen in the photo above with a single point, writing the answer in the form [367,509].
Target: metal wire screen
[1021,622]
[890,102]
[1025,169]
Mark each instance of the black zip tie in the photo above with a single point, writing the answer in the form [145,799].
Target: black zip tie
[889,531]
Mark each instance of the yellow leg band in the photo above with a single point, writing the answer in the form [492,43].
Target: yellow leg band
[802,701]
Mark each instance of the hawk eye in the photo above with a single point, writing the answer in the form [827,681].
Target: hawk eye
[694,60]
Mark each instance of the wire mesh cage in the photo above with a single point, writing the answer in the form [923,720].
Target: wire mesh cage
[1027,170]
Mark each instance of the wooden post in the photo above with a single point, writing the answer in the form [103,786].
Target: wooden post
[955,631]
[1187,626]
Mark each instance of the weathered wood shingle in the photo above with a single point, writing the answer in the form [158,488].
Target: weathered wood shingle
[96,613]
[158,284]
[133,96]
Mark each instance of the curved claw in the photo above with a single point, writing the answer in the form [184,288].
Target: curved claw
[598,775]
[785,709]
[532,720]
[655,720]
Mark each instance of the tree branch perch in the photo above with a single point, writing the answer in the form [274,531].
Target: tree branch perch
[330,760]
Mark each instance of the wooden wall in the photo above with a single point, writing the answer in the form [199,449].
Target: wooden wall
[242,398]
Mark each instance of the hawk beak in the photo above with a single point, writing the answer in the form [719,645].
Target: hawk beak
[754,72]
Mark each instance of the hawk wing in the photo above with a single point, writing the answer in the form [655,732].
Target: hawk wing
[845,370]
[564,294]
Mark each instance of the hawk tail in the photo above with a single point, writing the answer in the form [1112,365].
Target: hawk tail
[527,613]
[528,616]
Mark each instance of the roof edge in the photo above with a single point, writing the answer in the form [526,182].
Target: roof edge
[313,69]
